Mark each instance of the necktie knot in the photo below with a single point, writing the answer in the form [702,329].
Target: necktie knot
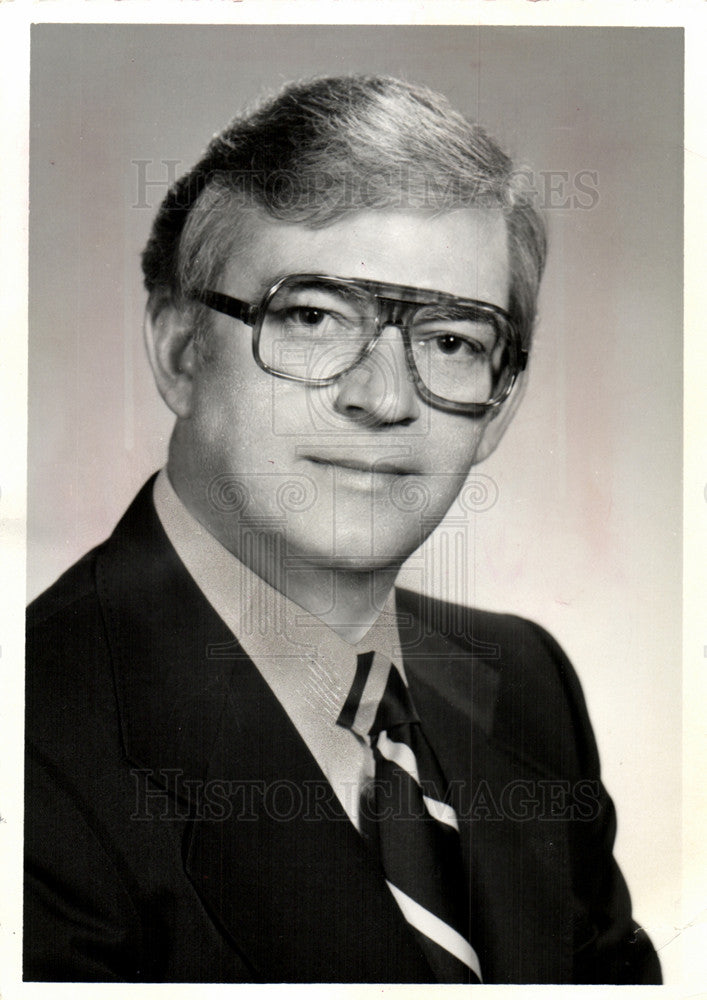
[395,708]
[379,698]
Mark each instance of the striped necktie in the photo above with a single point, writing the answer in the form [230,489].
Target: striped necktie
[414,828]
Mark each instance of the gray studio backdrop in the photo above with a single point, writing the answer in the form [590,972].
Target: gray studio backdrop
[576,520]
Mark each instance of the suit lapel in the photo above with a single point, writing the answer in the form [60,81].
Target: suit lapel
[170,686]
[305,900]
[268,848]
[517,867]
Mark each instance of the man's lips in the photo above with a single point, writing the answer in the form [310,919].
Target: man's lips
[361,465]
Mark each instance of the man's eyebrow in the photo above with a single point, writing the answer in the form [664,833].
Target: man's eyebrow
[265,284]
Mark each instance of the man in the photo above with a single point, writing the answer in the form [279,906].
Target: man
[249,758]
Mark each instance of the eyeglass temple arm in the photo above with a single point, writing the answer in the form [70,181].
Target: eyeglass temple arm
[236,308]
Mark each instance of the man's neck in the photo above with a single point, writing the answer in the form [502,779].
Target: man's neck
[349,602]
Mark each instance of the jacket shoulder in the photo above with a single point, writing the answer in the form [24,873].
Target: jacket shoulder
[511,642]
[520,673]
[78,584]
[73,587]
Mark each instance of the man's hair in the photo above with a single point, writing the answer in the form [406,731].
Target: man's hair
[331,146]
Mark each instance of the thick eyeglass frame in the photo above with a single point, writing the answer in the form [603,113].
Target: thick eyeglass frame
[396,306]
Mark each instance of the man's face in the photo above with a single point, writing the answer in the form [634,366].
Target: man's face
[355,474]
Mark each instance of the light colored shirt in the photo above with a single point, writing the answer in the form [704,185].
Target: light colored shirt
[308,667]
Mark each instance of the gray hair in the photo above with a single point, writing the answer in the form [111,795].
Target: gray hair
[335,145]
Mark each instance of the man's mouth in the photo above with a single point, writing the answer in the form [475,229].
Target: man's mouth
[381,467]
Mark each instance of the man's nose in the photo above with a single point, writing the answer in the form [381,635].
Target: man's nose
[379,389]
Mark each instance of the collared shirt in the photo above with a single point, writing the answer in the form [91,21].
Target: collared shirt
[308,667]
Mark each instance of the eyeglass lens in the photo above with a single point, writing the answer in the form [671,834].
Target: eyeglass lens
[318,329]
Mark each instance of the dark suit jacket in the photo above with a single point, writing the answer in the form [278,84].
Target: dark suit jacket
[178,829]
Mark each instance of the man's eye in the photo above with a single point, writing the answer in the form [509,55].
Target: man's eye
[306,315]
[451,343]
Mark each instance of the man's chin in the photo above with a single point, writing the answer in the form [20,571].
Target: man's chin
[318,545]
[352,557]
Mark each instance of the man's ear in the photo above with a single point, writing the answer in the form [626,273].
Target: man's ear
[499,419]
[169,339]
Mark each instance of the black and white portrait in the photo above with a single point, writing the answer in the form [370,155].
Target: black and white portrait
[354,504]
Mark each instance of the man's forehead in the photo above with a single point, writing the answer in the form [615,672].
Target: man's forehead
[463,252]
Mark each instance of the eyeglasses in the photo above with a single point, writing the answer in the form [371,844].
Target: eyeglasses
[463,355]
